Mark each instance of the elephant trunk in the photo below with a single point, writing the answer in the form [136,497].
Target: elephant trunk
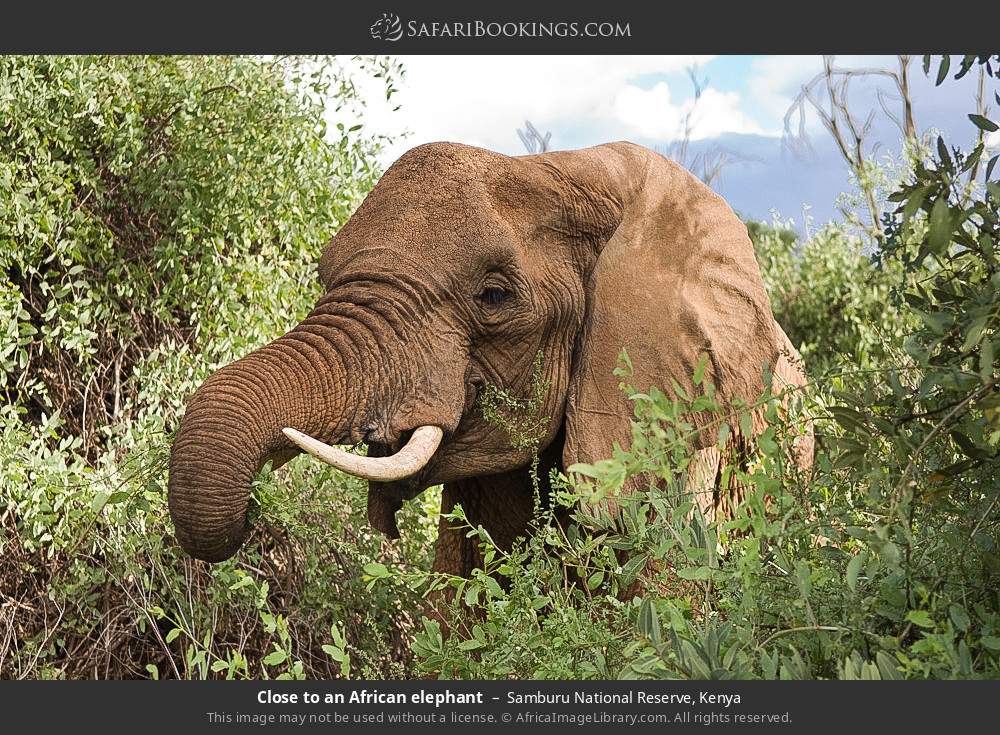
[232,427]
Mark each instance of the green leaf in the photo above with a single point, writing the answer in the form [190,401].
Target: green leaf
[888,667]
[337,654]
[991,642]
[921,618]
[580,468]
[649,621]
[472,595]
[943,154]
[699,371]
[937,322]
[803,574]
[990,166]
[968,447]
[941,226]
[633,567]
[746,424]
[275,657]
[541,601]
[852,420]
[853,569]
[724,432]
[337,636]
[959,617]
[986,359]
[975,332]
[983,123]
[943,69]
[98,502]
[493,587]
[914,201]
[375,569]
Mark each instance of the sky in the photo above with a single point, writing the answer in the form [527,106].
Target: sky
[588,100]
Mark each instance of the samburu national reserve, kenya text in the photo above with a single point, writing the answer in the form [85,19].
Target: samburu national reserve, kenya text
[631,697]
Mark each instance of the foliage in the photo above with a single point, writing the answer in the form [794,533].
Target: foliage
[145,205]
[160,217]
[844,572]
[520,418]
[831,298]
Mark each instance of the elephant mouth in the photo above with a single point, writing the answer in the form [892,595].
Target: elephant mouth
[385,498]
[399,491]
[406,488]
[397,471]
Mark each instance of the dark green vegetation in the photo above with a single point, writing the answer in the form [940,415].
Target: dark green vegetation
[159,218]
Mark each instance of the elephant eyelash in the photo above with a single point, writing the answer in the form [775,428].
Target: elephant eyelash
[493,296]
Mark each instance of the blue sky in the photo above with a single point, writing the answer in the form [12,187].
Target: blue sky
[587,100]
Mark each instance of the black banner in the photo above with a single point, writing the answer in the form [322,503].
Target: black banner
[457,706]
[515,27]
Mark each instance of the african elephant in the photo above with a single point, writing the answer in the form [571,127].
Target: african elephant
[457,270]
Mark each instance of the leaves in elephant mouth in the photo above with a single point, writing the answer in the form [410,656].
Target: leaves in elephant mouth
[520,418]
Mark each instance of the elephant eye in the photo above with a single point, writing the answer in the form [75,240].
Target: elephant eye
[493,296]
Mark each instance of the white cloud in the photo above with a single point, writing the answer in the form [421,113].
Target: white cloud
[653,114]
[775,81]
[482,100]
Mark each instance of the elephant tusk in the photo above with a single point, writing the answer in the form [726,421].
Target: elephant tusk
[407,461]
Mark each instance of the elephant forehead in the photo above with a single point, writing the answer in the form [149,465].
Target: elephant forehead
[438,204]
[425,230]
[426,236]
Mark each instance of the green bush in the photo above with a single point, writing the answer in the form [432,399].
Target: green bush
[149,206]
[834,302]
[160,217]
[830,574]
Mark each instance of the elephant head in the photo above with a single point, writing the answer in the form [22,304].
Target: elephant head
[458,269]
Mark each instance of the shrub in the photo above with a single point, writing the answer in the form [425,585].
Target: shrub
[845,572]
[160,217]
[149,206]
[832,299]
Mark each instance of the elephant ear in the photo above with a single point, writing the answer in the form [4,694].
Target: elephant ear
[676,279]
